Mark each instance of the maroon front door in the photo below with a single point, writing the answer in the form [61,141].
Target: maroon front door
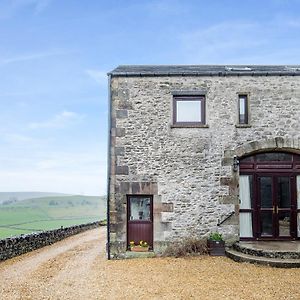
[140,219]
[268,186]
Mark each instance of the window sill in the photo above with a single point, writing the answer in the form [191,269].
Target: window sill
[189,126]
[243,126]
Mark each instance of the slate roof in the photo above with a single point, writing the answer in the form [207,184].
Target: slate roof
[206,70]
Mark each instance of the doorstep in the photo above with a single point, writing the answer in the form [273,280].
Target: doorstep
[133,254]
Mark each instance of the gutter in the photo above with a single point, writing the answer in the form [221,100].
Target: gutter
[108,168]
[207,73]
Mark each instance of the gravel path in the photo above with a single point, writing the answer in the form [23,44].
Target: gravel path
[76,268]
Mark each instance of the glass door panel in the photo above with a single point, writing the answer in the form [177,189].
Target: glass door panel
[140,208]
[246,225]
[266,223]
[283,192]
[266,192]
[284,224]
[266,206]
[283,206]
[246,206]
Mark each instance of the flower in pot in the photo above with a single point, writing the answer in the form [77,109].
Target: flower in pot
[216,244]
[143,246]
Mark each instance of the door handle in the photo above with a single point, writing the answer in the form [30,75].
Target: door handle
[274,209]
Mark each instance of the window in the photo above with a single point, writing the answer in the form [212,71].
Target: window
[243,109]
[139,208]
[189,110]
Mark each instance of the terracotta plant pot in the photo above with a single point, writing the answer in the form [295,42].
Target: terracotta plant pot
[139,249]
[216,248]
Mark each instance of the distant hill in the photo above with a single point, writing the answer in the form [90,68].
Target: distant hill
[19,196]
[44,213]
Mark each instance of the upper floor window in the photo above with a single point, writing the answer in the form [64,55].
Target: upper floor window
[243,109]
[189,110]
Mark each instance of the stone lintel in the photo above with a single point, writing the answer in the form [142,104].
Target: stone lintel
[139,188]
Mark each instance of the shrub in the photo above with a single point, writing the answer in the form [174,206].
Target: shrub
[187,247]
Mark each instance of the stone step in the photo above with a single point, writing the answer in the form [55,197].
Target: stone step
[263,250]
[132,254]
[274,262]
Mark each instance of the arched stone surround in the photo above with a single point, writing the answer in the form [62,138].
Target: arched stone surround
[232,181]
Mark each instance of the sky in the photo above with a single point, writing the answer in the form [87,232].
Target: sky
[54,57]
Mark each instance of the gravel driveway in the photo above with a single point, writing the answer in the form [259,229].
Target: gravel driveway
[76,268]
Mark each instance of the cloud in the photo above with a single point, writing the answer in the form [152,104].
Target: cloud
[18,138]
[60,120]
[242,42]
[54,181]
[294,23]
[99,76]
[166,7]
[33,56]
[9,8]
[73,172]
[219,40]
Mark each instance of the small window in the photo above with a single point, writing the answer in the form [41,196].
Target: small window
[189,110]
[139,208]
[243,109]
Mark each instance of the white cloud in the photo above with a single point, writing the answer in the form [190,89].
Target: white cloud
[8,8]
[56,181]
[294,23]
[241,42]
[60,120]
[73,172]
[166,7]
[99,76]
[33,56]
[214,42]
[18,138]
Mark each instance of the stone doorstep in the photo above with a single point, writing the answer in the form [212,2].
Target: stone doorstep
[269,252]
[132,254]
[273,262]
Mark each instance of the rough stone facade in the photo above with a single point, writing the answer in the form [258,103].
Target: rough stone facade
[189,170]
[15,246]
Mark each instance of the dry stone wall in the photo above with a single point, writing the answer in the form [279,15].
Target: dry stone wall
[189,170]
[15,246]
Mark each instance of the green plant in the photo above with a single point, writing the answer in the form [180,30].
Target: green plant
[215,236]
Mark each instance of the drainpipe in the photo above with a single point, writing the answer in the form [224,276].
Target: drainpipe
[108,168]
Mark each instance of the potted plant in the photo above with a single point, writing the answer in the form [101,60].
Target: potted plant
[216,244]
[141,247]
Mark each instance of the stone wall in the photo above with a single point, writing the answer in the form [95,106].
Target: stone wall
[189,170]
[14,246]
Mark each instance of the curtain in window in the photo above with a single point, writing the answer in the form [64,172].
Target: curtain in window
[245,203]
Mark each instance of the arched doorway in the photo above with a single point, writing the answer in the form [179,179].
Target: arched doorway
[269,206]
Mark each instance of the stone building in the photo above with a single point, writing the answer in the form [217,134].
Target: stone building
[195,149]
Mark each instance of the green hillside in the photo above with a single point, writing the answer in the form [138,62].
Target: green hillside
[45,213]
[19,196]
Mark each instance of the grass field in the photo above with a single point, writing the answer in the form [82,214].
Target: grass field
[33,215]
